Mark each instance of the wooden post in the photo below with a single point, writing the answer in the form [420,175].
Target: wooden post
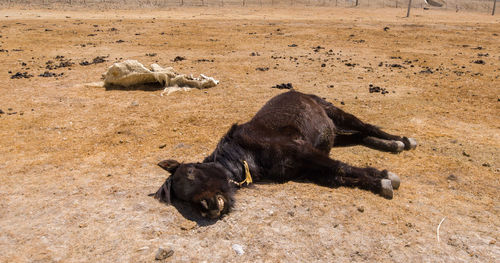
[494,6]
[409,7]
[357,3]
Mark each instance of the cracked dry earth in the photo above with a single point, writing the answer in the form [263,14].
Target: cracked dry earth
[77,161]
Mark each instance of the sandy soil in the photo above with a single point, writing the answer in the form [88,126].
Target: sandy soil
[77,161]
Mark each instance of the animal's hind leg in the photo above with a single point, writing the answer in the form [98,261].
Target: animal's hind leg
[364,133]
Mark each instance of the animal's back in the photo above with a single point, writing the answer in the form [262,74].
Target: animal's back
[298,116]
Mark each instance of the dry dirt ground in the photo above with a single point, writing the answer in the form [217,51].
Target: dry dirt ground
[78,161]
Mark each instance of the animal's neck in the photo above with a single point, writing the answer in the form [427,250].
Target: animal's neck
[231,155]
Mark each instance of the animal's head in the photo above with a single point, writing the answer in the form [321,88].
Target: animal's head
[205,185]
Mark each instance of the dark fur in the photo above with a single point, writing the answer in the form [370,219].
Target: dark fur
[289,138]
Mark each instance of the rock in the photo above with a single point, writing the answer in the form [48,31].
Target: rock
[2,112]
[96,60]
[179,58]
[396,66]
[283,86]
[452,177]
[426,71]
[20,75]
[188,225]
[162,253]
[238,249]
[162,146]
[48,74]
[134,103]
[361,209]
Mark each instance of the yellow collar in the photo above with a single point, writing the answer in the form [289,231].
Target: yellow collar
[248,176]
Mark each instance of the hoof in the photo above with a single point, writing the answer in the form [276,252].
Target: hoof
[384,145]
[395,181]
[409,143]
[400,146]
[386,190]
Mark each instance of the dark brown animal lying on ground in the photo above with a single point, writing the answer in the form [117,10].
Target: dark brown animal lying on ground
[288,139]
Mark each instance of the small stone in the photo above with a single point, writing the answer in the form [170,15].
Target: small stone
[452,177]
[1,111]
[162,146]
[134,103]
[486,165]
[180,145]
[464,153]
[238,249]
[162,253]
[492,242]
[291,213]
[188,225]
[361,209]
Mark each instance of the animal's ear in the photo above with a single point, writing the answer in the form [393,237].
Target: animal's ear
[164,194]
[169,165]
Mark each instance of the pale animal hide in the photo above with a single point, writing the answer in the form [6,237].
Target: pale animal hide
[131,73]
[436,3]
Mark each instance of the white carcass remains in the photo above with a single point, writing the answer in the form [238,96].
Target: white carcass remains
[130,73]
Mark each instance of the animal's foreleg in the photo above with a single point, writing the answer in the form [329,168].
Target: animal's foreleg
[325,171]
